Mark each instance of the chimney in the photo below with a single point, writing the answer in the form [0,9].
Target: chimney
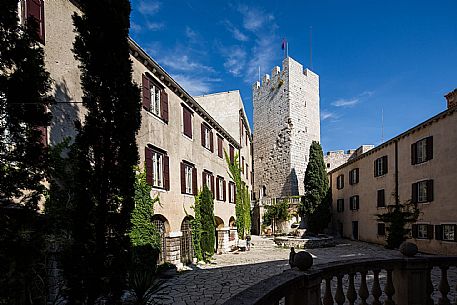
[451,98]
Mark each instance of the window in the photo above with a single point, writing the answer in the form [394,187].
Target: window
[422,231]
[340,182]
[422,191]
[328,165]
[220,189]
[155,99]
[247,139]
[187,122]
[220,146]
[354,176]
[207,137]
[422,151]
[188,178]
[247,172]
[35,9]
[232,192]
[242,165]
[157,168]
[208,180]
[380,166]
[449,232]
[340,205]
[354,203]
[381,229]
[232,154]
[381,199]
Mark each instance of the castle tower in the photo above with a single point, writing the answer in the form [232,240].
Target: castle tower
[286,121]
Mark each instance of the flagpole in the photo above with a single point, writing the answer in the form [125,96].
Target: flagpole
[287,49]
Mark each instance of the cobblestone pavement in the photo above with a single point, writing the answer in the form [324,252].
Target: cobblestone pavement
[231,273]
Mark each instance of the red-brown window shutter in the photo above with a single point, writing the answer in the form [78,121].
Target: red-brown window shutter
[35,9]
[224,190]
[183,178]
[204,178]
[217,188]
[212,184]
[148,160]
[430,190]
[194,181]
[414,193]
[414,230]
[230,191]
[357,175]
[242,165]
[439,232]
[187,119]
[203,134]
[146,93]
[234,193]
[166,172]
[385,166]
[211,143]
[219,146]
[430,231]
[413,153]
[429,147]
[164,105]
[232,154]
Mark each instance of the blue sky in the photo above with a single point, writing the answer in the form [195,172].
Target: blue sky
[399,57]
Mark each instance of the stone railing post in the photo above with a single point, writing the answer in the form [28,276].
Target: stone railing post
[311,294]
[223,236]
[411,283]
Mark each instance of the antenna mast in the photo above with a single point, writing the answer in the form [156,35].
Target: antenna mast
[311,47]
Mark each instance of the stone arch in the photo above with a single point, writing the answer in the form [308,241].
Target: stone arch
[186,246]
[163,226]
[219,223]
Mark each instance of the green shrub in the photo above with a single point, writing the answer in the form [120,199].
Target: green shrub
[208,238]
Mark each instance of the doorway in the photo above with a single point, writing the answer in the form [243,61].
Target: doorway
[355,230]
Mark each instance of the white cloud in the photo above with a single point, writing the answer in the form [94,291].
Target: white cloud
[235,60]
[254,18]
[135,27]
[196,85]
[327,115]
[237,34]
[149,7]
[154,26]
[183,63]
[191,34]
[346,102]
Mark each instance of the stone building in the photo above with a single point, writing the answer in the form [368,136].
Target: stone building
[180,142]
[334,159]
[286,121]
[416,166]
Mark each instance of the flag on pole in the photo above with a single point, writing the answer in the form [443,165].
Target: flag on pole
[284,43]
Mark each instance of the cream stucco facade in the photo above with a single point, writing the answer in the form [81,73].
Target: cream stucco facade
[435,229]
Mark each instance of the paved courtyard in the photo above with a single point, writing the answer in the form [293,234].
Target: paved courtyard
[231,273]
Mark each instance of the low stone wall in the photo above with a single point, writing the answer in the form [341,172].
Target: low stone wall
[303,243]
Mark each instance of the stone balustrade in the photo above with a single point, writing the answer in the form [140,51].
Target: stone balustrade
[293,201]
[398,281]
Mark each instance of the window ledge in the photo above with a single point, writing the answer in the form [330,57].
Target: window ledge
[381,176]
[158,118]
[186,137]
[187,195]
[158,189]
[422,163]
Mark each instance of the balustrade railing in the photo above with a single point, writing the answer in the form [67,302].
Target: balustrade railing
[292,201]
[398,281]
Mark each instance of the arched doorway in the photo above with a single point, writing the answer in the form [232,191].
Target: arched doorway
[187,249]
[161,224]
[232,225]
[219,224]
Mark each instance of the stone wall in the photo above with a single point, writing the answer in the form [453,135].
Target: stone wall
[286,121]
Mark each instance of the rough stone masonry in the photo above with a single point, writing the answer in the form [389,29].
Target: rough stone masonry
[286,121]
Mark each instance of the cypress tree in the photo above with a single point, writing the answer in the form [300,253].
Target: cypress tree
[208,238]
[106,153]
[24,87]
[316,202]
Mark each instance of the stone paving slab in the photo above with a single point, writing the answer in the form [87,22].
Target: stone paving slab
[232,273]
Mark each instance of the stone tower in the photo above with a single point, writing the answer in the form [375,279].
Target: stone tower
[286,121]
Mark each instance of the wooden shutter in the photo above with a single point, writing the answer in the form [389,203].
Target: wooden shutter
[234,192]
[187,122]
[357,202]
[455,232]
[232,154]
[219,146]
[356,175]
[148,161]
[224,190]
[146,93]
[381,229]
[342,181]
[374,166]
[242,165]
[414,193]
[414,153]
[212,184]
[429,190]
[351,203]
[203,128]
[429,148]
[381,198]
[414,230]
[351,175]
[230,191]
[183,178]
[385,167]
[217,188]
[194,181]
[164,105]
[438,232]
[166,172]
[430,231]
[211,143]
[204,179]
[35,9]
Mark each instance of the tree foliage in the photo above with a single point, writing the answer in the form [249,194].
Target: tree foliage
[243,203]
[275,213]
[106,151]
[196,226]
[396,218]
[24,87]
[316,201]
[208,240]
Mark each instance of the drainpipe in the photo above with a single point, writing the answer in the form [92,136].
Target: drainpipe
[397,198]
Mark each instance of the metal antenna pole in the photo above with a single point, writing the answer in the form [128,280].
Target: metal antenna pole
[311,47]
